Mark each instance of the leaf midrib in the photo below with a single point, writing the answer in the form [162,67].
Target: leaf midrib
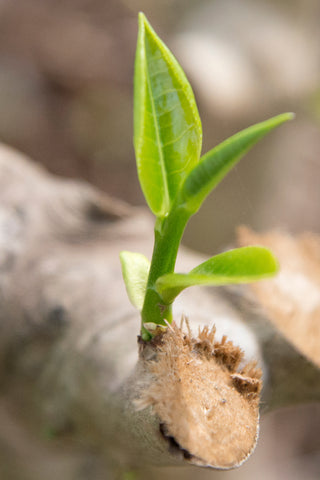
[159,142]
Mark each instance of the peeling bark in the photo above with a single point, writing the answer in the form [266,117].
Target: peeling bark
[69,360]
[204,404]
[292,298]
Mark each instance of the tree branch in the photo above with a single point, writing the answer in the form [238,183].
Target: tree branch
[68,347]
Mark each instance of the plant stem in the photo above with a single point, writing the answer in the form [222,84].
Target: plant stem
[168,233]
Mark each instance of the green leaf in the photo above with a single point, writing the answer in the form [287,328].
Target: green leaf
[135,270]
[241,265]
[167,127]
[216,163]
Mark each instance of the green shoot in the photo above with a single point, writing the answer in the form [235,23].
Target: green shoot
[175,180]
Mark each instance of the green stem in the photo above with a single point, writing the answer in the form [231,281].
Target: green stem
[168,233]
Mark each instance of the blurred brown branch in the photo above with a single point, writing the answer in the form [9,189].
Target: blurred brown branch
[69,359]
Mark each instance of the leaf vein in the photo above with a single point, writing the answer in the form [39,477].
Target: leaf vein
[179,137]
[158,142]
[165,92]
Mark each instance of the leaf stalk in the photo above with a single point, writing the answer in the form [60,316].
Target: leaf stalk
[167,237]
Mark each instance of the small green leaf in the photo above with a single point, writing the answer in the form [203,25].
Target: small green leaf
[135,270]
[167,127]
[216,163]
[241,265]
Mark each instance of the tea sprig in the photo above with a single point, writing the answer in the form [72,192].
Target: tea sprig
[176,179]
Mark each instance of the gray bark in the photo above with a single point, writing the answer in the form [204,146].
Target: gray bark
[68,346]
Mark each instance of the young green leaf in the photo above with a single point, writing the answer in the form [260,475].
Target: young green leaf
[135,270]
[241,265]
[167,127]
[216,163]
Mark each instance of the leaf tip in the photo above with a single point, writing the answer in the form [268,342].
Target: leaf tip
[272,265]
[291,115]
[122,256]
[141,18]
[285,117]
[135,270]
[275,264]
[143,22]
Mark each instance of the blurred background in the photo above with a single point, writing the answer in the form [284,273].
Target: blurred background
[66,73]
